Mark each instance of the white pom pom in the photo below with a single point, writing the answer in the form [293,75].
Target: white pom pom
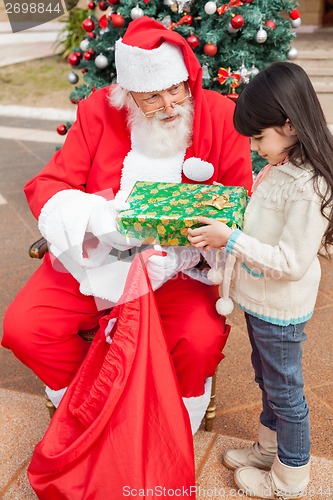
[197,169]
[215,275]
[224,306]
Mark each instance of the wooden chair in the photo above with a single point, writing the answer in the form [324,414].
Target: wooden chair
[37,251]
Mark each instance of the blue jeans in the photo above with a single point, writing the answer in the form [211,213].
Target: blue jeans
[277,362]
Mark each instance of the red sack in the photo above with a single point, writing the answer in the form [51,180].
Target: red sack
[121,428]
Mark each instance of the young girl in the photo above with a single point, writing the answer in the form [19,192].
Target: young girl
[277,272]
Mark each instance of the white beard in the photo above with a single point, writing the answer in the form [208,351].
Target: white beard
[157,138]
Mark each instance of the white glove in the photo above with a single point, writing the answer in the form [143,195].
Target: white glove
[103,225]
[161,268]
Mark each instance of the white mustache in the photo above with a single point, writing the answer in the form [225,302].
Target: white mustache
[161,115]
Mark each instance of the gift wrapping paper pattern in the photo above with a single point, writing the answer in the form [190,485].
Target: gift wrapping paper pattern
[162,212]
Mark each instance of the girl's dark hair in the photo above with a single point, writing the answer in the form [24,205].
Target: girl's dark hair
[282,91]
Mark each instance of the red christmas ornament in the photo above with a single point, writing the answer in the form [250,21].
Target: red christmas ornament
[237,21]
[193,41]
[84,70]
[92,35]
[117,20]
[295,14]
[78,54]
[270,24]
[62,129]
[114,2]
[103,5]
[89,55]
[210,49]
[91,5]
[73,59]
[88,25]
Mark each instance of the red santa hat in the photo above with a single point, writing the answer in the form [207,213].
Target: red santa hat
[151,57]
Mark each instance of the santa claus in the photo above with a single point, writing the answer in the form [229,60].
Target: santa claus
[155,124]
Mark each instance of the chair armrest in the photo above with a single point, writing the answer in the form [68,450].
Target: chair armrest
[38,249]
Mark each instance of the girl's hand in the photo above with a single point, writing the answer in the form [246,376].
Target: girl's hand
[214,235]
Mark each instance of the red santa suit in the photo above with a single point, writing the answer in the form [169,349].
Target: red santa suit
[41,324]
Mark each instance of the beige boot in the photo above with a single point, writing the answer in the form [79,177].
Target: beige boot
[281,481]
[260,455]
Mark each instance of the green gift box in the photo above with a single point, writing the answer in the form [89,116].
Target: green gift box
[162,212]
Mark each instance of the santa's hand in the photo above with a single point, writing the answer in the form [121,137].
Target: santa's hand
[174,259]
[103,225]
[121,241]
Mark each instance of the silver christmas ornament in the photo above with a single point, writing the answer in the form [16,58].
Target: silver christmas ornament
[261,36]
[72,78]
[295,23]
[168,2]
[136,12]
[84,45]
[253,71]
[101,61]
[244,73]
[182,5]
[210,8]
[205,72]
[292,53]
[166,21]
[231,29]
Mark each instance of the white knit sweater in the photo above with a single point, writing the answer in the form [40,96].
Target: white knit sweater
[277,271]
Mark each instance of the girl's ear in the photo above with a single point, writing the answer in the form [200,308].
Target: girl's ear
[289,128]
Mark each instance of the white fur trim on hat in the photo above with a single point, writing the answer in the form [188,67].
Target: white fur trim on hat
[142,70]
[197,169]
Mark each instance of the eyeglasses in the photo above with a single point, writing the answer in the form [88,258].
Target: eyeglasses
[150,114]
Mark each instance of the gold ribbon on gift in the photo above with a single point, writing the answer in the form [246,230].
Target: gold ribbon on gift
[218,201]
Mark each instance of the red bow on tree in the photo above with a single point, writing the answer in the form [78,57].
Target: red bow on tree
[233,3]
[225,76]
[186,19]
[103,22]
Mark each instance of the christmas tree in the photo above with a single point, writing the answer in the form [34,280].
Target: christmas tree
[232,40]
